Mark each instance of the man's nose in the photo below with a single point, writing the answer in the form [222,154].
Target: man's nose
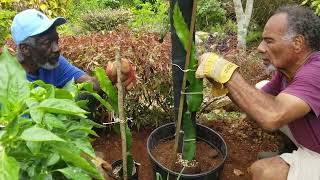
[55,47]
[261,48]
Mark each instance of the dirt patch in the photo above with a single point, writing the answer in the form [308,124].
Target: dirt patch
[244,140]
[206,156]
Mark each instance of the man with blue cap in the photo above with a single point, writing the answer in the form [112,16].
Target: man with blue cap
[38,51]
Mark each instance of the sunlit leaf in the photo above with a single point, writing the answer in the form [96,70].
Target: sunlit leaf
[62,106]
[39,134]
[74,173]
[73,155]
[9,167]
[107,87]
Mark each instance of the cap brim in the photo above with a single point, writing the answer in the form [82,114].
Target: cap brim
[54,22]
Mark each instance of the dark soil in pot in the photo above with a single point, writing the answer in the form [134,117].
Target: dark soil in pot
[208,157]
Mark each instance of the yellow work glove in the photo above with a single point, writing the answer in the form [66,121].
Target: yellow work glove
[216,68]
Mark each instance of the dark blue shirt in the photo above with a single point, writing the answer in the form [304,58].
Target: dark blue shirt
[58,76]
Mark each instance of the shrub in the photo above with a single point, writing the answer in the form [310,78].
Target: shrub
[106,19]
[263,9]
[151,16]
[209,13]
[151,101]
[6,17]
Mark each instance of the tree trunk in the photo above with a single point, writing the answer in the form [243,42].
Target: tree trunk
[243,20]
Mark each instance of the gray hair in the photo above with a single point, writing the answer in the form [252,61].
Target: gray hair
[303,21]
[31,41]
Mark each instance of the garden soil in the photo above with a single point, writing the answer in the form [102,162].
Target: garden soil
[244,140]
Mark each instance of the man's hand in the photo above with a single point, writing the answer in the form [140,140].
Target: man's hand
[128,76]
[214,67]
[217,70]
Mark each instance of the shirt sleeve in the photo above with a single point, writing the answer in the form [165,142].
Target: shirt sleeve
[273,87]
[66,72]
[306,86]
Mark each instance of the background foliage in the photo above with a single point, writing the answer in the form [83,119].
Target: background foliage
[210,13]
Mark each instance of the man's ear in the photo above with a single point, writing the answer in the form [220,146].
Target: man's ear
[298,43]
[25,50]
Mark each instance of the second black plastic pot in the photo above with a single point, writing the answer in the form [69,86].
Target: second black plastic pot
[205,134]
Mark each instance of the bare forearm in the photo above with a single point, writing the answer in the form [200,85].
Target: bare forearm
[260,106]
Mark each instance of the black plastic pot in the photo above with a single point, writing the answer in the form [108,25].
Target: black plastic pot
[204,134]
[118,163]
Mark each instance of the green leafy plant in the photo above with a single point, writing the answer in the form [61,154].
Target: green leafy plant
[106,19]
[6,17]
[151,16]
[210,13]
[46,133]
[194,90]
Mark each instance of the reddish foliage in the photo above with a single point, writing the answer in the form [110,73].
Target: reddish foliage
[151,97]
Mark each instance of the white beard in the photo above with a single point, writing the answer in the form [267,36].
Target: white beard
[270,69]
[49,66]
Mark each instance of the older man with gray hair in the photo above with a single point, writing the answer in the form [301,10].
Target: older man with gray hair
[291,100]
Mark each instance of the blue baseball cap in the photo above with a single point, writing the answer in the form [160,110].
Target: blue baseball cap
[32,22]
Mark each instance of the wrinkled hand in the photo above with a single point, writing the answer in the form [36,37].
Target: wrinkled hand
[128,76]
[217,70]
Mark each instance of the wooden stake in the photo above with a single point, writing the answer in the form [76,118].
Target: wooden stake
[121,116]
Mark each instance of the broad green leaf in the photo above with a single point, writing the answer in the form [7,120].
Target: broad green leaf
[74,173]
[53,122]
[63,94]
[42,176]
[31,102]
[71,87]
[90,122]
[39,134]
[62,106]
[39,93]
[73,155]
[82,128]
[107,87]
[83,104]
[85,146]
[13,78]
[34,147]
[49,87]
[21,153]
[13,128]
[36,115]
[103,102]
[189,138]
[9,167]
[87,86]
[53,159]
[18,90]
